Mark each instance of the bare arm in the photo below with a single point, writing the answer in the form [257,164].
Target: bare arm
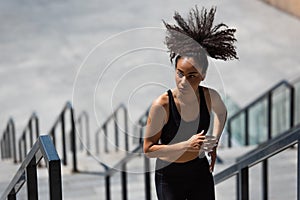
[220,111]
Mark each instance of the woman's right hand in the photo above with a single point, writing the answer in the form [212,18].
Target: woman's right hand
[195,142]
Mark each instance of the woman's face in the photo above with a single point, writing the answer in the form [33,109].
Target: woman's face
[187,76]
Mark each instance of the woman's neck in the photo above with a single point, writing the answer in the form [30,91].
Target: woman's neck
[187,98]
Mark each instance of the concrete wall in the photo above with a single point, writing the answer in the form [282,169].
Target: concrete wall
[290,6]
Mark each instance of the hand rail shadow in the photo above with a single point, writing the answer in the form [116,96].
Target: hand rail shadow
[61,121]
[23,139]
[268,95]
[8,142]
[261,154]
[43,148]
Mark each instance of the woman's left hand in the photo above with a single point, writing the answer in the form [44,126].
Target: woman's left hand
[213,157]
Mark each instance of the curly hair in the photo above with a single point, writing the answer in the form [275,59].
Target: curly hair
[197,37]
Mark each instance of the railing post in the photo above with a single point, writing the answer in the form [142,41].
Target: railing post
[37,126]
[126,130]
[229,133]
[20,151]
[246,127]
[62,118]
[88,143]
[52,133]
[1,145]
[265,191]
[292,106]
[147,178]
[80,130]
[8,142]
[30,133]
[12,195]
[105,138]
[243,182]
[269,119]
[107,186]
[73,142]
[124,182]
[13,133]
[298,172]
[55,186]
[97,142]
[116,131]
[32,186]
[25,146]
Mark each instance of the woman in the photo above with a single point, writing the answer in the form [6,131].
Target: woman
[179,119]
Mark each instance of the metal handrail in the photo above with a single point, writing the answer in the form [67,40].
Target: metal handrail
[110,171]
[261,154]
[43,148]
[23,139]
[8,141]
[103,128]
[61,120]
[268,95]
[84,117]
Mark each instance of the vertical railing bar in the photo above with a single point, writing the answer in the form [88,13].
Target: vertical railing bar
[1,146]
[147,178]
[37,126]
[32,186]
[97,141]
[88,141]
[53,136]
[13,131]
[229,133]
[62,120]
[8,142]
[73,142]
[80,133]
[126,130]
[55,185]
[238,185]
[292,106]
[107,186]
[265,181]
[12,195]
[30,133]
[269,126]
[115,118]
[124,182]
[244,183]
[298,171]
[20,151]
[105,138]
[246,127]
[25,146]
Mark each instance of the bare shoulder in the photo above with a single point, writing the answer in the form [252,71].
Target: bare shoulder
[159,108]
[213,93]
[162,100]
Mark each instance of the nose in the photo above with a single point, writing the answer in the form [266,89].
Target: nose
[184,81]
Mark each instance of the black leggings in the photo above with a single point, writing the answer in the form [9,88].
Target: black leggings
[191,180]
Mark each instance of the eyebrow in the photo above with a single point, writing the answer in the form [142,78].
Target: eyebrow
[195,72]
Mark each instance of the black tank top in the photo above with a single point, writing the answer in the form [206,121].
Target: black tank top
[176,129]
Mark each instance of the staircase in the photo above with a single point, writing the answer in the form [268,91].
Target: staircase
[89,180]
